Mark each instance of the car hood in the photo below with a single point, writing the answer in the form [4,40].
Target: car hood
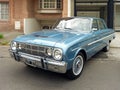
[47,37]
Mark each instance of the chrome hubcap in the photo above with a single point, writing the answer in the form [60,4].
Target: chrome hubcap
[78,65]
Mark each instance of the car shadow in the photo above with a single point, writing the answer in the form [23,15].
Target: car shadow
[41,75]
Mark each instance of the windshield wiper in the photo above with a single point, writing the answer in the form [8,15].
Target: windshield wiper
[68,28]
[63,28]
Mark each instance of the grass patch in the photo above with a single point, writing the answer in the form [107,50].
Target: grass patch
[4,42]
[1,36]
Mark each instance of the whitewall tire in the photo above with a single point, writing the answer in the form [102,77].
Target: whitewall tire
[77,67]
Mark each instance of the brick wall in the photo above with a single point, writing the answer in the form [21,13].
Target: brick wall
[65,8]
[20,9]
[28,9]
[17,12]
[4,0]
[45,16]
[4,25]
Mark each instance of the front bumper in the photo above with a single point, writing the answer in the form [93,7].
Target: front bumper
[40,62]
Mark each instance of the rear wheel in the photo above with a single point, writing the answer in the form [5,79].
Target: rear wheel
[77,67]
[106,48]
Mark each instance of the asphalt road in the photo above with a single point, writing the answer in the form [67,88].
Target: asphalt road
[102,72]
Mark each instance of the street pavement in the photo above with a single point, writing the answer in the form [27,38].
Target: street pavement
[101,72]
[116,42]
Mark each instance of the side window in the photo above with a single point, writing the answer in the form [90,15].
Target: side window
[95,25]
[101,25]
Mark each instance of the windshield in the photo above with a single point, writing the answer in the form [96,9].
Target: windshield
[74,24]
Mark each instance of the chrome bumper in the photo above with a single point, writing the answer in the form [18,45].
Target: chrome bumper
[40,62]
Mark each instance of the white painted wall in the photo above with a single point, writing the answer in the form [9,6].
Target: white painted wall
[117,18]
[70,8]
[31,25]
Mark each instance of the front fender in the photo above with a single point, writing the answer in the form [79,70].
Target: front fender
[71,54]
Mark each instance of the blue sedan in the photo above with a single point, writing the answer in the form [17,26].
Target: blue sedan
[66,47]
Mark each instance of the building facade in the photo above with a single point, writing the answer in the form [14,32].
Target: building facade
[30,15]
[100,8]
[33,15]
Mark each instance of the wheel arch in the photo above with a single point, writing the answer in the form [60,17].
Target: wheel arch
[110,41]
[83,52]
[70,73]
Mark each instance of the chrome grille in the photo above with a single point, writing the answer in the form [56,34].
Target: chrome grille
[32,49]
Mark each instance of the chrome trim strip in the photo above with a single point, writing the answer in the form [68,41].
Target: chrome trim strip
[100,39]
[52,65]
[57,63]
[94,42]
[31,57]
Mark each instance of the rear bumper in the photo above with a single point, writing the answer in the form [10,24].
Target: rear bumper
[40,62]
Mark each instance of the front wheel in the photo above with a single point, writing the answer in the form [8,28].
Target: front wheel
[77,67]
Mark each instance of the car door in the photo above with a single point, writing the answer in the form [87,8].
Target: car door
[104,32]
[93,43]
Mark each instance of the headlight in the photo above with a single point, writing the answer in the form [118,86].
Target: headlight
[57,54]
[20,46]
[13,45]
[49,51]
